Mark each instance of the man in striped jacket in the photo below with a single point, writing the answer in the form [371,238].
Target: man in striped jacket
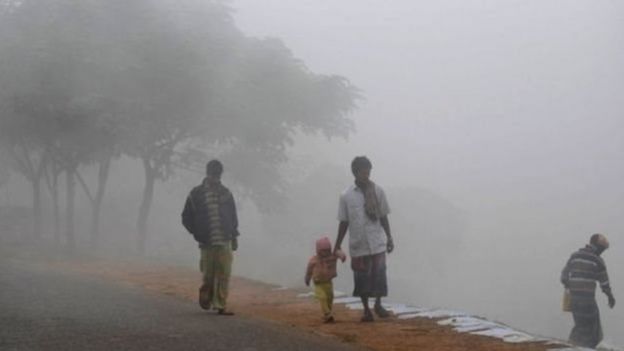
[584,268]
[210,215]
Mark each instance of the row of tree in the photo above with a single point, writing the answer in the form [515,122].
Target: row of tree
[168,83]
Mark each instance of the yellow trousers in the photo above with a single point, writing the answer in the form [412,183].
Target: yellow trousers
[324,292]
[216,267]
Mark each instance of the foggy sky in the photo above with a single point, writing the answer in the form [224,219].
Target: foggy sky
[512,110]
[479,88]
[509,113]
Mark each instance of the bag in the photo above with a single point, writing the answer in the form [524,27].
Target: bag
[566,304]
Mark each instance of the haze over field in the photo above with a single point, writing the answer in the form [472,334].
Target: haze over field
[495,128]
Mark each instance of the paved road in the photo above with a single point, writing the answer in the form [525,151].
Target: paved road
[42,309]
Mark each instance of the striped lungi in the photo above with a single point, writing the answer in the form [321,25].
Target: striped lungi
[587,331]
[369,275]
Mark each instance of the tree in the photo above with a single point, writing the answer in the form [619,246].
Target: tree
[272,98]
[171,85]
[54,110]
[245,101]
[169,81]
[20,141]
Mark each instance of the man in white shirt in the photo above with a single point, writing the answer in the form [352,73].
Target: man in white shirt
[363,210]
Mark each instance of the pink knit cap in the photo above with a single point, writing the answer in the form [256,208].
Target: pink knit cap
[323,244]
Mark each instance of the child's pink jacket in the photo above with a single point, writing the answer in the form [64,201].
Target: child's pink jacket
[323,269]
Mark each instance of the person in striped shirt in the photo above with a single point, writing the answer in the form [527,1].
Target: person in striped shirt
[583,270]
[210,215]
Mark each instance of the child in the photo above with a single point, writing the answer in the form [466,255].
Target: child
[322,269]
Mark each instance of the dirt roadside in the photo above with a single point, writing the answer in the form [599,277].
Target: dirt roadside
[258,300]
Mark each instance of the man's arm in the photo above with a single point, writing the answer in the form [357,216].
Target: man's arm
[235,225]
[343,217]
[603,280]
[384,208]
[188,215]
[342,231]
[565,275]
[341,255]
[234,215]
[385,224]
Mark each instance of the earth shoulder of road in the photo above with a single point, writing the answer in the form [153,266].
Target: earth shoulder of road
[253,299]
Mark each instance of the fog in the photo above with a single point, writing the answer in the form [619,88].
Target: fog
[509,110]
[494,127]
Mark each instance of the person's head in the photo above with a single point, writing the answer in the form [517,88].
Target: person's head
[214,169]
[323,247]
[599,241]
[361,167]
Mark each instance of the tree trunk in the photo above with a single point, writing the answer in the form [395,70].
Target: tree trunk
[51,177]
[95,225]
[146,204]
[69,212]
[55,208]
[33,172]
[97,201]
[36,185]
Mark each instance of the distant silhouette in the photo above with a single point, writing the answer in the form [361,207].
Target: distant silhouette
[579,276]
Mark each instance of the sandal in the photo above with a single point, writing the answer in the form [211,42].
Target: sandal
[224,312]
[367,317]
[381,312]
[204,298]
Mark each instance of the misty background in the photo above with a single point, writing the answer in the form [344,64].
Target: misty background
[495,128]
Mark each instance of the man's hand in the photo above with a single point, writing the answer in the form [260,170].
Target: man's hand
[390,245]
[341,255]
[385,224]
[234,244]
[611,301]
